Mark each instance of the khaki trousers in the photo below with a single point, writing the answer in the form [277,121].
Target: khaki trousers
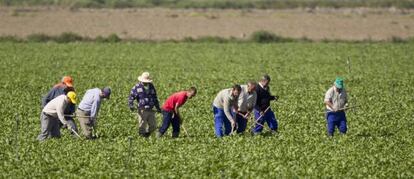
[85,122]
[146,122]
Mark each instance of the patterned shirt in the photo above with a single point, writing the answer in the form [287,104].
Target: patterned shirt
[145,96]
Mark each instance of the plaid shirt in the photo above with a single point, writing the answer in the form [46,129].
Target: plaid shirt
[145,96]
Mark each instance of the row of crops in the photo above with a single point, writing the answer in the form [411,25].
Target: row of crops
[378,77]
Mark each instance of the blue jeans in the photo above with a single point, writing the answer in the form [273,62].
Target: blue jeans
[270,119]
[336,119]
[220,119]
[169,119]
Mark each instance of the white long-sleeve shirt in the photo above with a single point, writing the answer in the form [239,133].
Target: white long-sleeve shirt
[56,107]
[91,102]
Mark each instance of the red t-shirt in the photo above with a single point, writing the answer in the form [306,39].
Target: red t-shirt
[178,98]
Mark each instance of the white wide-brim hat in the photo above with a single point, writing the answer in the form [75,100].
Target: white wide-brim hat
[145,77]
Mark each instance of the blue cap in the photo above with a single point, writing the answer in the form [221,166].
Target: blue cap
[106,92]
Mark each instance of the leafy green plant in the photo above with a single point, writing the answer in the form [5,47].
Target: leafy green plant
[379,142]
[268,37]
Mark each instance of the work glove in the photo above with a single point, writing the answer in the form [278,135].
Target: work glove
[68,127]
[262,113]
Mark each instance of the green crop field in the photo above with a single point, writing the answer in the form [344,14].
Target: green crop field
[379,79]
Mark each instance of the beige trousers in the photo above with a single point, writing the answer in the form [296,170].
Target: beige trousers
[86,123]
[146,122]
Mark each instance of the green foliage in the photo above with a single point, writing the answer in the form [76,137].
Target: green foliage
[9,38]
[63,38]
[38,38]
[380,142]
[255,37]
[68,37]
[268,37]
[113,38]
[209,39]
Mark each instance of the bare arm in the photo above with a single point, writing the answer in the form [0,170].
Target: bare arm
[329,104]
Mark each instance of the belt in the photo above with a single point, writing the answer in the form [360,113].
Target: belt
[87,112]
[327,111]
[81,110]
[46,114]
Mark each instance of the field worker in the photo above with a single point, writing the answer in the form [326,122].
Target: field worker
[52,113]
[145,94]
[171,112]
[335,101]
[225,101]
[246,103]
[88,109]
[63,87]
[262,110]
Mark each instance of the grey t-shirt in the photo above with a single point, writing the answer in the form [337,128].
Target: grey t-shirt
[337,99]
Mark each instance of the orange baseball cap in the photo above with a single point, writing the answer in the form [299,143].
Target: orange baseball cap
[68,81]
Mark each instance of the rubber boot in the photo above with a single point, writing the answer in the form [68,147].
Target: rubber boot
[159,135]
[144,135]
[175,134]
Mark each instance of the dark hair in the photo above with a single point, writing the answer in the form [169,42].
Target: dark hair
[266,77]
[68,89]
[193,89]
[251,82]
[237,87]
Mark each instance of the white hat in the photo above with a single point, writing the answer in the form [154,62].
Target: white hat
[145,77]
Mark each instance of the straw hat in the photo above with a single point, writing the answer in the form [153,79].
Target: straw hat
[145,77]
